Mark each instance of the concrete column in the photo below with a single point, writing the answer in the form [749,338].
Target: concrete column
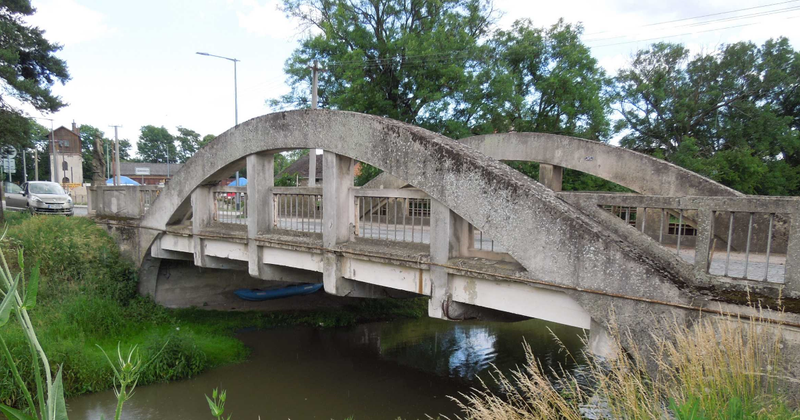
[449,239]
[312,168]
[260,180]
[551,176]
[201,217]
[337,205]
[705,230]
[600,342]
[792,270]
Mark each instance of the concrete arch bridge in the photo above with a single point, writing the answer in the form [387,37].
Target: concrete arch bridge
[472,234]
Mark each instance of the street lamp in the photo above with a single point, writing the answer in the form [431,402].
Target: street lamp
[54,157]
[235,101]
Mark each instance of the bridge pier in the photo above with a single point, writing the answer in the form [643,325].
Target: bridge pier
[450,235]
[551,176]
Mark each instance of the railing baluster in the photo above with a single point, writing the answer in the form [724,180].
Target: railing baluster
[395,218]
[728,252]
[747,246]
[644,217]
[661,231]
[680,228]
[405,207]
[769,246]
[413,214]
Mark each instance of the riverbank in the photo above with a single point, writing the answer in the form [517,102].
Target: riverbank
[88,299]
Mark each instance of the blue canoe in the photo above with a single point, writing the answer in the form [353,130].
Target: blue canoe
[258,294]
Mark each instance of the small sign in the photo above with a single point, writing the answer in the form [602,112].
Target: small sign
[142,171]
[8,151]
[9,165]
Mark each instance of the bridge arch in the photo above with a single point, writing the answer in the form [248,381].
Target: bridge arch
[550,238]
[637,171]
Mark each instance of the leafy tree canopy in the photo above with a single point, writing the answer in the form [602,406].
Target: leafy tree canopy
[28,69]
[156,145]
[732,115]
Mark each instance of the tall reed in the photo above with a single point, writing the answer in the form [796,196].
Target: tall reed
[716,368]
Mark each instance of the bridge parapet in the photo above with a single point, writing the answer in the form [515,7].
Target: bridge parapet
[746,240]
[130,201]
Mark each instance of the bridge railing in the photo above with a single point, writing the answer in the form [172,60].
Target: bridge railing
[297,208]
[229,205]
[402,215]
[129,201]
[740,238]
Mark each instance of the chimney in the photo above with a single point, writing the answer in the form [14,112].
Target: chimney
[75,128]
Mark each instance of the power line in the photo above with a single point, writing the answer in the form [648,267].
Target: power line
[709,22]
[708,15]
[673,36]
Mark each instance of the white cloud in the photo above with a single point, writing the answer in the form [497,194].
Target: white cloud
[266,20]
[67,22]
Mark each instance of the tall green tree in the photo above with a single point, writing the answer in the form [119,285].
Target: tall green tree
[156,145]
[28,69]
[189,141]
[401,59]
[540,80]
[731,114]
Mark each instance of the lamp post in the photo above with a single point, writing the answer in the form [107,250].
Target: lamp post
[54,156]
[235,102]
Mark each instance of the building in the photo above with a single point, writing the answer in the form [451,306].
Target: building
[149,173]
[69,155]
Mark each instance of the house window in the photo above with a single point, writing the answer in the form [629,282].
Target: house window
[419,207]
[63,144]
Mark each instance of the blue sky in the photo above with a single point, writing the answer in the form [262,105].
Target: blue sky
[133,62]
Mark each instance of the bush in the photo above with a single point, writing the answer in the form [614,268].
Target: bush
[180,357]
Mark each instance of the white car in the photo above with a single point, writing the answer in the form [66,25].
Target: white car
[38,197]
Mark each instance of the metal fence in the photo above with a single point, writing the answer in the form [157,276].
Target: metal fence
[299,209]
[396,215]
[230,205]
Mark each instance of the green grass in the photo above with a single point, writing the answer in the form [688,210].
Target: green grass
[88,298]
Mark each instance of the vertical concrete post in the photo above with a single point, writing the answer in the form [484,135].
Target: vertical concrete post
[702,248]
[337,205]
[201,217]
[551,176]
[449,239]
[260,180]
[792,270]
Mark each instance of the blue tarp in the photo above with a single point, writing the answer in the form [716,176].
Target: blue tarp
[242,182]
[124,180]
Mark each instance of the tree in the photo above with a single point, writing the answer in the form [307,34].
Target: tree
[189,141]
[731,114]
[540,80]
[156,145]
[88,134]
[28,68]
[395,58]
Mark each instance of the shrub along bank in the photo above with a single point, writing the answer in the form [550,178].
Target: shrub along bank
[88,297]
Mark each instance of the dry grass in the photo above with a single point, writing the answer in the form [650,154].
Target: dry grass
[719,368]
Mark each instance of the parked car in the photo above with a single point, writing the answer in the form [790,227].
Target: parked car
[38,197]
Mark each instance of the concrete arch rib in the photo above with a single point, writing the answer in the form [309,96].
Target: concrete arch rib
[554,241]
[639,172]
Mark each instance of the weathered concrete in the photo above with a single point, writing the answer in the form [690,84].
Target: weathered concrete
[637,171]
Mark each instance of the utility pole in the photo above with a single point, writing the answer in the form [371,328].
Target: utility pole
[312,153]
[36,163]
[117,180]
[24,168]
[54,157]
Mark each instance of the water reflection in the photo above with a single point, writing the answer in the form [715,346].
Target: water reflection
[372,371]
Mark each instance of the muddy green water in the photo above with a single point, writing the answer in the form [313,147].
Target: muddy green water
[373,371]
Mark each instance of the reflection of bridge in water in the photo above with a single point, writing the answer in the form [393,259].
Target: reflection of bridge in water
[448,221]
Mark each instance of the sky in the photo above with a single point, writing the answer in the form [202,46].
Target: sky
[134,63]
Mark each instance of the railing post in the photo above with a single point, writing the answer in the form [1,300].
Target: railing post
[792,268]
[449,238]
[703,240]
[201,217]
[551,176]
[260,181]
[338,212]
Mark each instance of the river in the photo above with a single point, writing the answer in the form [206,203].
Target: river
[404,368]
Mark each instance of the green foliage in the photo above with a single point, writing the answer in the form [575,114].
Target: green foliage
[189,142]
[28,69]
[217,404]
[731,114]
[378,59]
[367,174]
[156,144]
[174,356]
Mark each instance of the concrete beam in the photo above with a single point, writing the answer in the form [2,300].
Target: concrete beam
[449,239]
[551,176]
